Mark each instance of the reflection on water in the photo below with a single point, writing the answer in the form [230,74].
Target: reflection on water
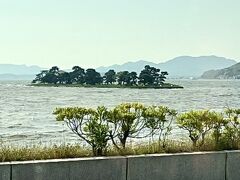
[26,112]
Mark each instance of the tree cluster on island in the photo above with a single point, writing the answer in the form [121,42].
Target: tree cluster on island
[149,76]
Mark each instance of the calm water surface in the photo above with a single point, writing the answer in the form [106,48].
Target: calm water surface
[26,112]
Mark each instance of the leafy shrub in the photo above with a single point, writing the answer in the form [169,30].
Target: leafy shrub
[90,125]
[98,127]
[199,123]
[231,134]
[158,119]
[127,122]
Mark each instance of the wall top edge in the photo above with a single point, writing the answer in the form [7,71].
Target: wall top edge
[115,157]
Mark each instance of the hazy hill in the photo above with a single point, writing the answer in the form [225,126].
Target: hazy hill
[232,72]
[18,72]
[19,69]
[183,66]
[129,66]
[187,66]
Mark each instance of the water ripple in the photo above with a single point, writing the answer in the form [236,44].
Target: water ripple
[26,112]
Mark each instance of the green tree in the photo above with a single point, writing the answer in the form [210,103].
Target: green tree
[126,122]
[123,78]
[52,76]
[40,77]
[89,124]
[198,124]
[133,78]
[64,78]
[232,128]
[159,120]
[152,76]
[48,76]
[110,77]
[162,77]
[54,70]
[78,75]
[92,77]
[147,75]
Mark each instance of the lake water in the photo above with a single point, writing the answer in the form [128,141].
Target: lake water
[26,112]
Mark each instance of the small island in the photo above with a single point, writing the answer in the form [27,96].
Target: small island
[149,77]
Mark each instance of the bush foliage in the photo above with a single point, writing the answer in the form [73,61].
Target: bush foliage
[101,127]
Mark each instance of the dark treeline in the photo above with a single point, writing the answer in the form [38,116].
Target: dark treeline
[148,76]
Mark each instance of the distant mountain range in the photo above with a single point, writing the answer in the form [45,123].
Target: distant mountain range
[179,67]
[19,69]
[232,72]
[183,66]
[18,72]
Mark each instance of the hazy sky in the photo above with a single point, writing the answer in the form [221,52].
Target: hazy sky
[91,33]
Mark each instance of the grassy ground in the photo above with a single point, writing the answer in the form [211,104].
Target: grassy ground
[8,153]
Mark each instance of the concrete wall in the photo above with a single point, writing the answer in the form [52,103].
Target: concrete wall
[185,166]
[233,165]
[72,169]
[5,171]
[202,166]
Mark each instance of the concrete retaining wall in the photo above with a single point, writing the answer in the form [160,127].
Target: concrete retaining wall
[233,165]
[71,169]
[5,171]
[186,166]
[209,166]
